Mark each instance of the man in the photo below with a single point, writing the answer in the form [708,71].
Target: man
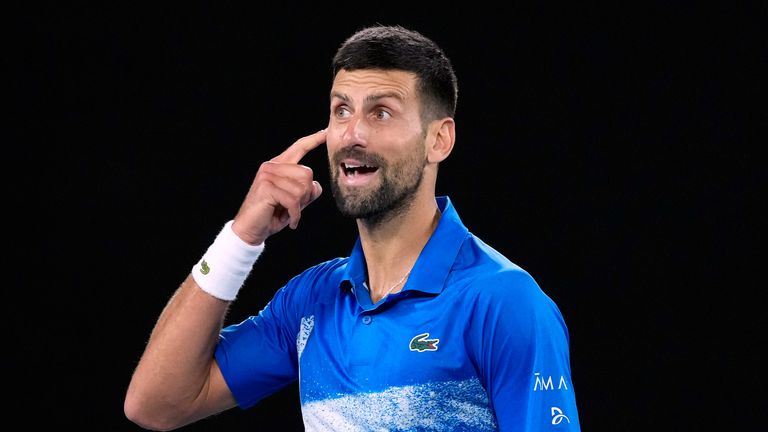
[422,327]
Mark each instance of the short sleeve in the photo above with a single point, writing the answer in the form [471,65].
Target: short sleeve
[520,344]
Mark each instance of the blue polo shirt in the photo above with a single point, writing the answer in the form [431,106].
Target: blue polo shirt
[470,343]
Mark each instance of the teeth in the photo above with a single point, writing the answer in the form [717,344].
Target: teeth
[356,169]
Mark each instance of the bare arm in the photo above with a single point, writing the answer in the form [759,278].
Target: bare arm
[177,380]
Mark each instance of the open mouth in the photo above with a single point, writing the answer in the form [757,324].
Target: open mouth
[354,170]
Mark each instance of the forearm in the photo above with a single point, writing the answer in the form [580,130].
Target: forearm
[171,384]
[177,380]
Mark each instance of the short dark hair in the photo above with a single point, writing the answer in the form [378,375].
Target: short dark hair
[395,47]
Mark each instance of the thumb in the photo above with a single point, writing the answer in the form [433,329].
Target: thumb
[316,191]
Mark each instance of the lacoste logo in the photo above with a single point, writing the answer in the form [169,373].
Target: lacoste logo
[420,343]
[204,269]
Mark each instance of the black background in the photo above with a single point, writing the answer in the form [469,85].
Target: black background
[609,150]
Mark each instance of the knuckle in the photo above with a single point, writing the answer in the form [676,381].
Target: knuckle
[306,174]
[306,192]
[266,167]
[293,201]
[262,176]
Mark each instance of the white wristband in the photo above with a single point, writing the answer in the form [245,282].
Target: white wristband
[226,264]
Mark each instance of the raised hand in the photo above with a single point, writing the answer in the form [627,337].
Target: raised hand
[281,190]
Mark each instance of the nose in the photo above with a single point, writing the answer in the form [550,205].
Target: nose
[355,132]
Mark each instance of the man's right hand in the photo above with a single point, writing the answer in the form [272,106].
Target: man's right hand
[281,190]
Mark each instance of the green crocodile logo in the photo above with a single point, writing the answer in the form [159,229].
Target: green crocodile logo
[420,343]
[204,269]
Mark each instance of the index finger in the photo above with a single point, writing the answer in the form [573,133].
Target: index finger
[300,148]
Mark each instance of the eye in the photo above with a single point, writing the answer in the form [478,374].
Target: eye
[382,114]
[341,112]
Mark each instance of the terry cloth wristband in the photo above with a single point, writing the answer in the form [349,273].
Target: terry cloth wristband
[226,264]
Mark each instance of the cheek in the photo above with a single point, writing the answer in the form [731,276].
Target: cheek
[333,139]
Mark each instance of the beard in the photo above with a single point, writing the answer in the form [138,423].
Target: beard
[399,182]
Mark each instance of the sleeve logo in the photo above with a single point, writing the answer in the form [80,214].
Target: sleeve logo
[558,416]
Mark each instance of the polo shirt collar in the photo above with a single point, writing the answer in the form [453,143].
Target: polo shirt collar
[431,269]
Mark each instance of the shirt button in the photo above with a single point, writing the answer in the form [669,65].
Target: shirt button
[367,319]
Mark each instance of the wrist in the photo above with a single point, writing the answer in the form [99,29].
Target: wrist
[226,264]
[245,236]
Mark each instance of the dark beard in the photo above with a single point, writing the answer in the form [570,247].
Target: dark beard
[399,183]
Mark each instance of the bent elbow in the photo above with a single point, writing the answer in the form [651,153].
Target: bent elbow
[147,415]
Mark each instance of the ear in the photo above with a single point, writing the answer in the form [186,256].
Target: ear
[443,132]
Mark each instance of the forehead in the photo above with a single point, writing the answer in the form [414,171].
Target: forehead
[363,83]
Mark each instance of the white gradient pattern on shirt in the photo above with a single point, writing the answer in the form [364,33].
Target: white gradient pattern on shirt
[307,324]
[443,406]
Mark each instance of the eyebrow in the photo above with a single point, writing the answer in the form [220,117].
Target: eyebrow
[368,99]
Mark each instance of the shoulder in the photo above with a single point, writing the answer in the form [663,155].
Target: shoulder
[314,285]
[485,267]
[317,281]
[492,281]
[506,302]
[330,269]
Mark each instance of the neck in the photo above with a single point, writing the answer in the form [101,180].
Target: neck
[392,246]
